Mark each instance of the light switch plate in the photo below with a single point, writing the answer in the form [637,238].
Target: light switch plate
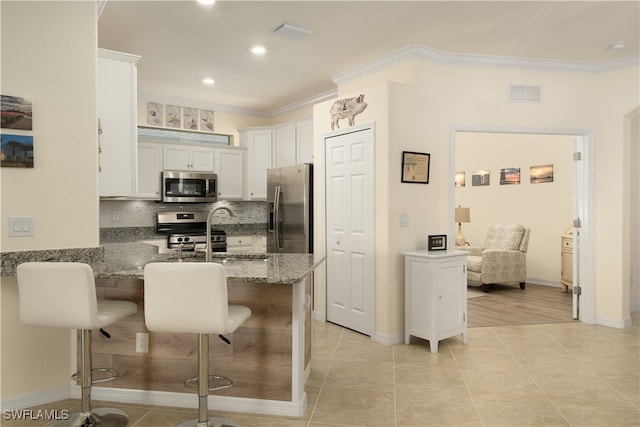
[20,226]
[404,220]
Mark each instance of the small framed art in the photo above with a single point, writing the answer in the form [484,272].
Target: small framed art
[415,167]
[437,242]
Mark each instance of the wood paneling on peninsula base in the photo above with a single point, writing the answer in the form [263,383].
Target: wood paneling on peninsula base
[259,360]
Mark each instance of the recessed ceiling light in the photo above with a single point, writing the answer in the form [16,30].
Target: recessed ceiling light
[207,2]
[258,50]
[208,81]
[618,45]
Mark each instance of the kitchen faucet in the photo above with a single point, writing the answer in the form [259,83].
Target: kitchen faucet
[216,207]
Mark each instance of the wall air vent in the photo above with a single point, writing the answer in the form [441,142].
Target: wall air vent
[292,31]
[525,93]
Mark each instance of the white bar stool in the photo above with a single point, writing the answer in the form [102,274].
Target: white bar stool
[192,298]
[63,295]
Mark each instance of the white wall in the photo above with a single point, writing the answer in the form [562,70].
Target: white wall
[547,209]
[444,95]
[49,56]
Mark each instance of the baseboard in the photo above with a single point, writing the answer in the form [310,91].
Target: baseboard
[385,339]
[161,398]
[190,400]
[316,315]
[535,281]
[36,398]
[613,323]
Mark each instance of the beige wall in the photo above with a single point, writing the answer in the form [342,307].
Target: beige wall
[52,63]
[445,95]
[547,209]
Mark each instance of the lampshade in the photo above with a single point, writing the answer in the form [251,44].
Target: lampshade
[463,214]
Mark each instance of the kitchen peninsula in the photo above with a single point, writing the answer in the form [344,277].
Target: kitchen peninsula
[268,359]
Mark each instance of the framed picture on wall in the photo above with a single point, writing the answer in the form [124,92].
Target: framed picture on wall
[460,179]
[509,176]
[415,167]
[540,174]
[480,178]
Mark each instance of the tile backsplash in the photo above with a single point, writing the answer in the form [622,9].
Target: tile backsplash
[142,213]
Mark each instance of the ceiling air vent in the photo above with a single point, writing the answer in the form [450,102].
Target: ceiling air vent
[293,32]
[525,93]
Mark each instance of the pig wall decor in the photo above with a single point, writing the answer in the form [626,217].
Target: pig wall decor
[346,108]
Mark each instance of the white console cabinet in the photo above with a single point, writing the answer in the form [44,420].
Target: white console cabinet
[435,295]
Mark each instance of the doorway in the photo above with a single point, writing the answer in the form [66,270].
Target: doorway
[568,192]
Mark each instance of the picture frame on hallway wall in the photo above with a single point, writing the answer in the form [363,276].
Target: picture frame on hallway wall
[415,167]
[460,179]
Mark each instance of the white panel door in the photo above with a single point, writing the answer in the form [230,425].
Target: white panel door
[350,229]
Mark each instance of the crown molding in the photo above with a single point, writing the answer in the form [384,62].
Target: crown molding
[305,102]
[435,56]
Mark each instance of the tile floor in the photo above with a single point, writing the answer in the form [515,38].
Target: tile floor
[565,374]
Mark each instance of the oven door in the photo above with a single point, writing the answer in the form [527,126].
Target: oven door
[188,187]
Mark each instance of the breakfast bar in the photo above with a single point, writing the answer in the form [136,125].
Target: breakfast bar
[268,359]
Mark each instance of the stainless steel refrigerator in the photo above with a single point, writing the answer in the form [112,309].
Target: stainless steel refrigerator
[290,204]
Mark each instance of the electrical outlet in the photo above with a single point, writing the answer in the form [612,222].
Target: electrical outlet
[115,216]
[142,342]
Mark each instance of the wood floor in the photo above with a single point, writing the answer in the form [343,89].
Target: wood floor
[510,305]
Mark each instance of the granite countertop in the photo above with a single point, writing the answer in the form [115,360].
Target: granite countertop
[127,261]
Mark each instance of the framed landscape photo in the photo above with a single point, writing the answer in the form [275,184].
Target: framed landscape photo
[437,242]
[415,167]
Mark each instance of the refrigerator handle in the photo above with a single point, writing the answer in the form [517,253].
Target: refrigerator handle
[276,217]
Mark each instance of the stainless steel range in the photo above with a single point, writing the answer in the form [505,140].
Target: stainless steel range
[189,229]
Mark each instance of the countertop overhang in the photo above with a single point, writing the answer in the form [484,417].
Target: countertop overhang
[127,261]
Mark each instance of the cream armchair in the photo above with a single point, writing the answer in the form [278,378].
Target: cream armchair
[502,259]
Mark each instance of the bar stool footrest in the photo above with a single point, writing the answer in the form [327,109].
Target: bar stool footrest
[216,382]
[114,374]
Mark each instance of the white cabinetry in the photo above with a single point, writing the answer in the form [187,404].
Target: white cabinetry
[304,141]
[435,295]
[285,147]
[229,166]
[247,244]
[149,168]
[117,110]
[260,244]
[188,158]
[239,244]
[259,144]
[293,143]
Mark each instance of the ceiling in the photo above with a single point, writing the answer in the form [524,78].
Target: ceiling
[182,42]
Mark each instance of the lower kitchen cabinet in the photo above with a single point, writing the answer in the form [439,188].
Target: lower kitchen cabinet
[435,295]
[246,244]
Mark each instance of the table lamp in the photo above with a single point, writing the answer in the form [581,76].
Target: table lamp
[462,215]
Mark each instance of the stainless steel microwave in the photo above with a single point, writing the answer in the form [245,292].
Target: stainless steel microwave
[189,187]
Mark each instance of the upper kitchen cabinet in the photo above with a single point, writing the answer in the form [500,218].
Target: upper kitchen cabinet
[149,169]
[229,167]
[117,111]
[259,145]
[192,158]
[293,143]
